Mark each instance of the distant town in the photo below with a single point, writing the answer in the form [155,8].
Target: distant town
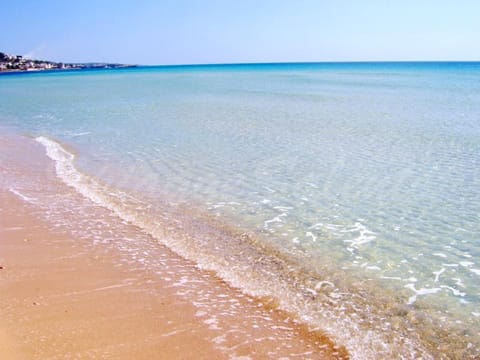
[13,63]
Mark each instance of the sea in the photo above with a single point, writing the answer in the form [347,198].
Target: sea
[348,193]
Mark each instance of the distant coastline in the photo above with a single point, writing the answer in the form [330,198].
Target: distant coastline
[17,63]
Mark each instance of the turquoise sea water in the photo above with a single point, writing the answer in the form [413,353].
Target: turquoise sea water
[356,184]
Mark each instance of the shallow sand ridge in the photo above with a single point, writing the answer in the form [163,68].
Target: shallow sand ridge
[78,281]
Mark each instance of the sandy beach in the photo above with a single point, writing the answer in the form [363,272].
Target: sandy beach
[71,293]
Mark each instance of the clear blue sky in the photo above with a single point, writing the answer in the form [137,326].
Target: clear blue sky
[209,31]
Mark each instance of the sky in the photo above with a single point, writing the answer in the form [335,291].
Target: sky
[240,31]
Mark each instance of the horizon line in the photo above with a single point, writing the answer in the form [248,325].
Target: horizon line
[304,62]
[131,66]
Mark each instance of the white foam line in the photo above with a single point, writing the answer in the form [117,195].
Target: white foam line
[310,234]
[365,236]
[276,219]
[332,227]
[81,133]
[175,332]
[22,196]
[94,290]
[86,186]
[458,282]
[438,273]
[420,292]
[454,291]
[283,207]
[316,226]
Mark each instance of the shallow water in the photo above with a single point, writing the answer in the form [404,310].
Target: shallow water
[350,192]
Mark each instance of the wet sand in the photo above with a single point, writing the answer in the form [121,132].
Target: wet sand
[59,298]
[78,282]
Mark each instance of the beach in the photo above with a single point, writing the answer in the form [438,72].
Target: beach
[65,296]
[301,210]
[240,180]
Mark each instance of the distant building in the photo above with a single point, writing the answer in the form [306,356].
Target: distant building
[19,63]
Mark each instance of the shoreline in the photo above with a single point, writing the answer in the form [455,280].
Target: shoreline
[95,294]
[35,177]
[37,71]
[355,316]
[331,237]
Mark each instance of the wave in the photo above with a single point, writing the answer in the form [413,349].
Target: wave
[369,328]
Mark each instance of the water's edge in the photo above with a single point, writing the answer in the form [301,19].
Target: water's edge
[369,327]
